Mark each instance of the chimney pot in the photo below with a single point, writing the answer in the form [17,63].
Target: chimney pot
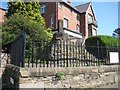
[68,1]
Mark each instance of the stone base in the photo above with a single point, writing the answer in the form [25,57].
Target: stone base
[75,77]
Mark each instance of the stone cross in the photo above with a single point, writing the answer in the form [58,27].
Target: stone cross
[60,35]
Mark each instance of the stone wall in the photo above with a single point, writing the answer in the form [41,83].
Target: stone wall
[74,77]
[10,77]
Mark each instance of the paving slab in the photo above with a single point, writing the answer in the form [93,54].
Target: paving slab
[32,85]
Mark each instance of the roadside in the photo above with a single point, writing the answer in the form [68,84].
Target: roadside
[41,85]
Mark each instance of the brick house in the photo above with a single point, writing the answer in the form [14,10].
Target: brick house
[2,14]
[78,22]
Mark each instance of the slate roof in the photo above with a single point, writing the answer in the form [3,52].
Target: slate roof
[83,7]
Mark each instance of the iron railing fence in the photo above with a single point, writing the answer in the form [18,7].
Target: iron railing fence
[66,54]
[58,53]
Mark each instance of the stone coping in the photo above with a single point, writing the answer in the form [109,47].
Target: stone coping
[51,71]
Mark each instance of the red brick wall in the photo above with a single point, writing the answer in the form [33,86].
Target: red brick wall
[64,12]
[2,13]
[50,11]
[90,27]
[85,29]
[83,24]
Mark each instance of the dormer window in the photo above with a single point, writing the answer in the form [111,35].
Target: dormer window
[43,8]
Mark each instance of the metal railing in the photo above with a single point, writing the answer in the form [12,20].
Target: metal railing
[59,53]
[66,54]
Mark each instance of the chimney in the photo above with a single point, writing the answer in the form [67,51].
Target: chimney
[68,1]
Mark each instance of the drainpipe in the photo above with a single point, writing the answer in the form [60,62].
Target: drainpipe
[56,15]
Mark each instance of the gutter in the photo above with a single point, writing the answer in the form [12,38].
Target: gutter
[3,9]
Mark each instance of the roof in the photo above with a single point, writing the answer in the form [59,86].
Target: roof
[2,8]
[69,5]
[83,7]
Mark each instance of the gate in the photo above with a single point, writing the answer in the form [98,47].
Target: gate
[11,74]
[17,51]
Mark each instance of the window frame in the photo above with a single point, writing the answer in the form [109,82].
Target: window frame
[78,26]
[90,18]
[43,8]
[94,32]
[52,21]
[65,25]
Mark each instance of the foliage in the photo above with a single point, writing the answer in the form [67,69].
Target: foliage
[31,10]
[103,40]
[98,45]
[16,23]
[59,75]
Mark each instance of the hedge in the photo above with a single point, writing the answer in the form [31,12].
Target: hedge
[101,43]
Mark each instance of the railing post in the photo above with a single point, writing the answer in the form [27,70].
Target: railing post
[67,52]
[57,45]
[98,53]
[24,48]
[54,53]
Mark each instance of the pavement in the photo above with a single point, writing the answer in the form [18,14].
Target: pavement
[41,85]
[32,85]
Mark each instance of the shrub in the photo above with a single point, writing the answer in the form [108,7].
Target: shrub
[104,40]
[101,43]
[17,23]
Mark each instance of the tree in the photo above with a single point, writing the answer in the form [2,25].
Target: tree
[31,10]
[16,23]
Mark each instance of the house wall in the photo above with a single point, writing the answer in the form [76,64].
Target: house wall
[90,28]
[83,24]
[2,15]
[50,11]
[86,29]
[91,12]
[64,12]
[86,25]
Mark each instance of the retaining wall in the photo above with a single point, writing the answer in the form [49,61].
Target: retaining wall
[74,77]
